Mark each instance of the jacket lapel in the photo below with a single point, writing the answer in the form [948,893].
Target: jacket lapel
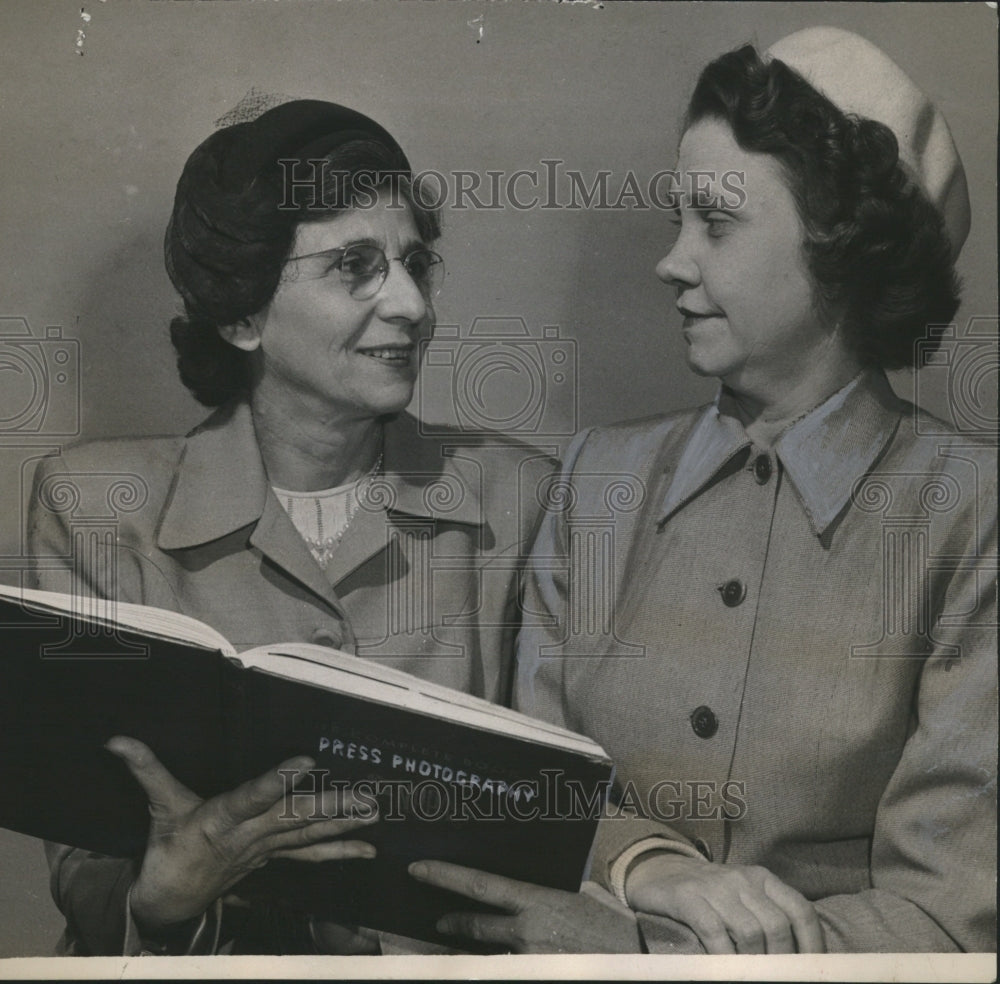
[220,486]
[420,484]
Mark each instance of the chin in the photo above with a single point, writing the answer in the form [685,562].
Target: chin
[702,364]
[388,404]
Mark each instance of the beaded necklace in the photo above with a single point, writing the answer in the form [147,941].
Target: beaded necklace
[323,517]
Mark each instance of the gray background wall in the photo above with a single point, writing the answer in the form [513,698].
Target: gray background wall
[93,143]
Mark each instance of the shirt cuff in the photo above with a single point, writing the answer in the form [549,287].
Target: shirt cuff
[203,938]
[621,865]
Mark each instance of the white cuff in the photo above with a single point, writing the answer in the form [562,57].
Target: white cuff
[620,866]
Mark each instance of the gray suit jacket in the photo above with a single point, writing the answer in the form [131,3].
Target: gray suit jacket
[426,578]
[793,662]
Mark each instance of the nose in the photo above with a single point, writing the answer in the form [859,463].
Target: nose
[679,267]
[400,298]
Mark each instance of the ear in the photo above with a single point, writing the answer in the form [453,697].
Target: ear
[244,334]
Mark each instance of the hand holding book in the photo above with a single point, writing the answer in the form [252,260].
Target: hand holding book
[535,919]
[198,849]
[455,778]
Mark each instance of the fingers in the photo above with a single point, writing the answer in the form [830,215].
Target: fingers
[480,926]
[292,823]
[259,795]
[506,893]
[165,793]
[707,924]
[292,837]
[328,851]
[800,913]
[757,925]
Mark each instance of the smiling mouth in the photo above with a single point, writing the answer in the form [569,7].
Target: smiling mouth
[392,355]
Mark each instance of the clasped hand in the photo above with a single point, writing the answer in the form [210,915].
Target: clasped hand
[733,908]
[197,849]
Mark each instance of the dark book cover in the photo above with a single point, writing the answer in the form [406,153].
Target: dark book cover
[444,789]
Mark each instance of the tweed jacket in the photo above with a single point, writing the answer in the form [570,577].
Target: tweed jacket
[425,578]
[789,653]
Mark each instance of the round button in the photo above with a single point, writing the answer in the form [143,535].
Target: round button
[733,592]
[327,637]
[704,723]
[762,469]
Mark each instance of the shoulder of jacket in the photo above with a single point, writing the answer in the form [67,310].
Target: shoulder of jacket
[621,438]
[121,454]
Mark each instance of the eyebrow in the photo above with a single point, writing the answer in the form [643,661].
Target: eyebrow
[408,247]
[715,204]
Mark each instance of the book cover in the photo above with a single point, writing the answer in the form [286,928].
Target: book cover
[502,793]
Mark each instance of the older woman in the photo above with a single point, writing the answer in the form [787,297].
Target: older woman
[800,689]
[307,507]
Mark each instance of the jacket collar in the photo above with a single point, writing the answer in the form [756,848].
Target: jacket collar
[221,485]
[824,454]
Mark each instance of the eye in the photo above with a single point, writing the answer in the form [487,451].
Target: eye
[419,262]
[425,267]
[361,262]
[718,222]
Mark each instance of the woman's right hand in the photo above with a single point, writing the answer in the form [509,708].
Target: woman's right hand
[733,908]
[197,849]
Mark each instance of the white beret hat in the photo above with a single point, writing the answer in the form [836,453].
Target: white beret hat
[861,79]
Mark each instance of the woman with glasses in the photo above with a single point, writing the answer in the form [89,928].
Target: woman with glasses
[308,507]
[800,692]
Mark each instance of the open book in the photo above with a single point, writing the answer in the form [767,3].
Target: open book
[455,777]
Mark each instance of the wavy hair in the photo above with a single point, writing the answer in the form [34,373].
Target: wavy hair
[876,247]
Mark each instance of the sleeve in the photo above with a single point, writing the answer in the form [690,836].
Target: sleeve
[540,683]
[91,890]
[933,857]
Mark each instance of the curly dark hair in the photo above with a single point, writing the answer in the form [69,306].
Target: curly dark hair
[876,247]
[234,223]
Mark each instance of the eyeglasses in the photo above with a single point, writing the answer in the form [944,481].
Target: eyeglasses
[363,268]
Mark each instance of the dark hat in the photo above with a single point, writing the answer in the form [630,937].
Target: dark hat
[227,226]
[300,130]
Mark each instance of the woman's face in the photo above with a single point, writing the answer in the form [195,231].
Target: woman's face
[739,268]
[317,343]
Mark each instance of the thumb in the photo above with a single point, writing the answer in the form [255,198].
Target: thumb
[165,793]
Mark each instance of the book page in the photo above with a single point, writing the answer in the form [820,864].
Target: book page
[157,622]
[331,669]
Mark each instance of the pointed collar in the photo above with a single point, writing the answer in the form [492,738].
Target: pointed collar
[824,454]
[221,485]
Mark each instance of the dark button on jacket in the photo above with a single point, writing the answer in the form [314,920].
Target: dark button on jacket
[704,723]
[762,469]
[733,592]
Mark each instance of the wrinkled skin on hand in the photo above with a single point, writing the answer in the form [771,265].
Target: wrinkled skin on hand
[197,849]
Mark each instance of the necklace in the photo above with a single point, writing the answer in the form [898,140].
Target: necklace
[322,518]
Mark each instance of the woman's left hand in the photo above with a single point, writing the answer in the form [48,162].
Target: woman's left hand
[538,920]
